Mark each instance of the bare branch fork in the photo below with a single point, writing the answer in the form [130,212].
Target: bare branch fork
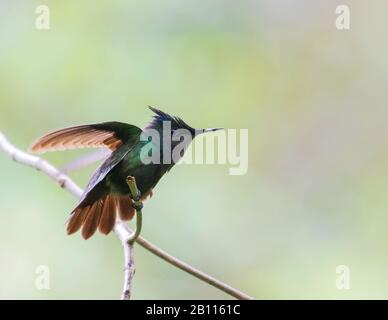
[125,234]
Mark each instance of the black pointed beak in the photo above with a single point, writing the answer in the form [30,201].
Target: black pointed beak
[212,129]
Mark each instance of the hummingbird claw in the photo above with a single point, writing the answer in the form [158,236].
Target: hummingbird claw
[138,205]
[136,198]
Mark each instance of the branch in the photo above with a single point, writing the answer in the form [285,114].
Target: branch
[121,229]
[138,205]
[129,269]
[124,233]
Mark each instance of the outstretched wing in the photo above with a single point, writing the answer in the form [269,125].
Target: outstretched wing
[107,134]
[105,168]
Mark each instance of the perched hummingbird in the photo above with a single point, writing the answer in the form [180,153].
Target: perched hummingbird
[107,190]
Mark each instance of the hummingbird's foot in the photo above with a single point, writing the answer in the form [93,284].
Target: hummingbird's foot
[137,203]
[135,195]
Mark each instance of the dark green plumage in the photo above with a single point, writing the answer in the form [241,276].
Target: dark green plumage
[107,190]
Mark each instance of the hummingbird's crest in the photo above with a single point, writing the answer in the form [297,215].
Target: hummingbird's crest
[160,116]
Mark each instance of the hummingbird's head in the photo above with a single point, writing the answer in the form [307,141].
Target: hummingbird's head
[174,132]
[175,123]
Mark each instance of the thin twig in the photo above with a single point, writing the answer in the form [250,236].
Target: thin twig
[138,205]
[129,270]
[121,229]
[129,261]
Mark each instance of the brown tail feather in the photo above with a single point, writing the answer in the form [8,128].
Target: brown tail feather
[77,219]
[126,211]
[108,216]
[101,214]
[92,220]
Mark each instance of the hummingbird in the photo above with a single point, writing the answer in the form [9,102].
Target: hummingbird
[107,192]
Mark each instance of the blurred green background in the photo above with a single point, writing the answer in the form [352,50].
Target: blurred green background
[314,99]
